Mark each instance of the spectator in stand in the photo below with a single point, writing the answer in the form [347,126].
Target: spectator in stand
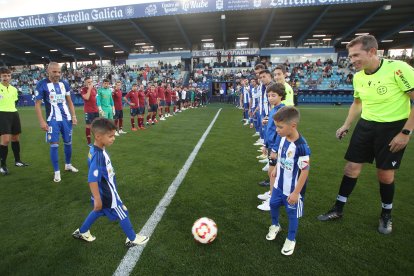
[349,78]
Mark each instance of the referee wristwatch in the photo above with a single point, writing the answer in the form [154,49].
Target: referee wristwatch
[406,131]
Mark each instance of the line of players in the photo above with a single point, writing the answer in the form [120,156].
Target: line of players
[256,112]
[268,108]
[158,99]
[55,94]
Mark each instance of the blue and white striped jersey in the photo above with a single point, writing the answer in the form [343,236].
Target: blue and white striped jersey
[254,96]
[246,94]
[101,171]
[54,98]
[263,102]
[292,157]
[270,128]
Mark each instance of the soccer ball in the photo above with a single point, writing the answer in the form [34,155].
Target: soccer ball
[204,230]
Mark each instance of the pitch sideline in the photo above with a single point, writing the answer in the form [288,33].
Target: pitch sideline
[133,255]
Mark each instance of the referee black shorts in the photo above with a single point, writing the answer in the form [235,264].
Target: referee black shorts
[370,141]
[10,123]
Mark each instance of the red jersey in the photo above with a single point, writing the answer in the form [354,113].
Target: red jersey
[141,98]
[132,96]
[90,105]
[117,96]
[168,94]
[152,97]
[174,95]
[161,93]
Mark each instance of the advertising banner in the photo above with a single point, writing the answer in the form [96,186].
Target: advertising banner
[155,9]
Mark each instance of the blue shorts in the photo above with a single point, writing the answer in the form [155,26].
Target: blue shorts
[153,108]
[133,112]
[141,110]
[90,116]
[279,199]
[120,212]
[162,103]
[119,114]
[59,127]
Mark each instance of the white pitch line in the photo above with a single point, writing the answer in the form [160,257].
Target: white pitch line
[132,256]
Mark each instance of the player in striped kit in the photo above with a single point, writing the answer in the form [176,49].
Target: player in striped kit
[60,115]
[254,102]
[291,174]
[102,182]
[246,99]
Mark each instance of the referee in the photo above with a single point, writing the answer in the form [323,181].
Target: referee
[382,92]
[9,121]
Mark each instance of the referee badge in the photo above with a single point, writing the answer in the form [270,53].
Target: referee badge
[382,90]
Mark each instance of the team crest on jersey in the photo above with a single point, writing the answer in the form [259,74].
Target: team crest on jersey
[381,90]
[289,154]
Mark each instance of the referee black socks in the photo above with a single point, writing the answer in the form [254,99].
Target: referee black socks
[3,154]
[387,196]
[345,190]
[16,150]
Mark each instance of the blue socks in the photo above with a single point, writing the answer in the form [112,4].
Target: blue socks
[293,228]
[68,152]
[127,228]
[54,157]
[90,220]
[125,224]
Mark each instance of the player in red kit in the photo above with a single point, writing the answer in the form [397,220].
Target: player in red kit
[141,108]
[152,104]
[161,101]
[119,113]
[131,98]
[90,108]
[168,99]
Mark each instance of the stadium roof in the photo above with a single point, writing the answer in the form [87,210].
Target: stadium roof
[389,21]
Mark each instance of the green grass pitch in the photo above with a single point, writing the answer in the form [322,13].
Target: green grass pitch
[38,216]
